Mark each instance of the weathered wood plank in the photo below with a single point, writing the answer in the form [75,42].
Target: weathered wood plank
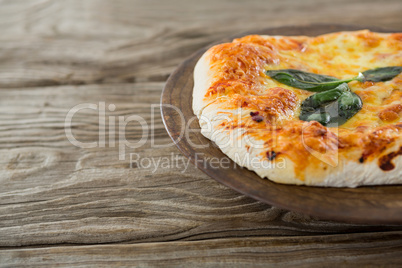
[71,42]
[142,19]
[55,193]
[366,250]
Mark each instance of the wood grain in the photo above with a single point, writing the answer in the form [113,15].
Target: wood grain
[68,42]
[55,197]
[55,193]
[367,250]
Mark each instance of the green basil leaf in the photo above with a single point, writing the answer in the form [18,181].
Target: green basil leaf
[307,81]
[349,104]
[322,117]
[382,74]
[333,107]
[319,99]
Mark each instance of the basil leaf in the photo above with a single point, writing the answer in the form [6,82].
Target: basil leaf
[307,81]
[335,103]
[319,99]
[382,74]
[349,104]
[322,117]
[333,107]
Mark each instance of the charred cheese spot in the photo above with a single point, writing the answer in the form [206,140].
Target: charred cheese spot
[391,113]
[271,155]
[385,162]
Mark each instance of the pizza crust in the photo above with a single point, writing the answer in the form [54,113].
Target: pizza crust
[213,115]
[202,81]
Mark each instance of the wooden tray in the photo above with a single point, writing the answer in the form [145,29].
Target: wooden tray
[370,205]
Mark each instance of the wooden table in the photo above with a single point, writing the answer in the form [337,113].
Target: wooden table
[68,205]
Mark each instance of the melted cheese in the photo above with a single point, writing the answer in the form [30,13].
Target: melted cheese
[239,81]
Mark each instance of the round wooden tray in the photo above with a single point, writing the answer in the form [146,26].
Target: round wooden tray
[369,205]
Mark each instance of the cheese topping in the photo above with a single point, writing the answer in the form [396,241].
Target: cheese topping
[239,80]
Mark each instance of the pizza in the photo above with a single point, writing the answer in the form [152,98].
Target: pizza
[317,111]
